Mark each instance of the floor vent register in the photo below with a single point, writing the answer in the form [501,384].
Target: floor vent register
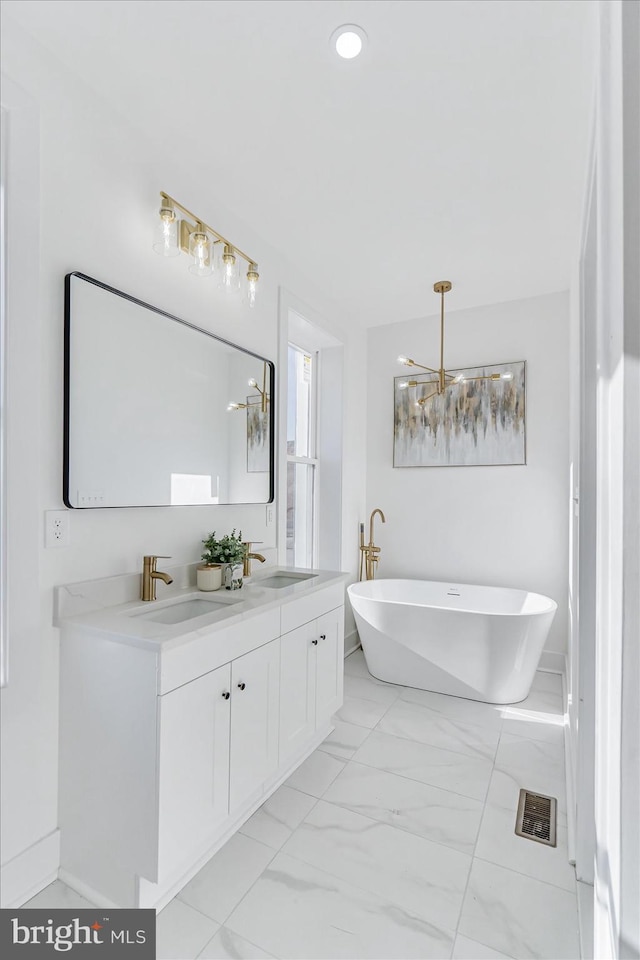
[536,819]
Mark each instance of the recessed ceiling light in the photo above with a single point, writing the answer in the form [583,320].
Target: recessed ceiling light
[348,40]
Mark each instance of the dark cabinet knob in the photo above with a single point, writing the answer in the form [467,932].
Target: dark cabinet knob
[241,686]
[315,643]
[226,695]
[323,636]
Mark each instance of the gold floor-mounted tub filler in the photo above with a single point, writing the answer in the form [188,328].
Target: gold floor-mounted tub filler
[369,553]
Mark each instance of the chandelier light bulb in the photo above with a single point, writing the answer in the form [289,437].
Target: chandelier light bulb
[506,376]
[405,360]
[403,385]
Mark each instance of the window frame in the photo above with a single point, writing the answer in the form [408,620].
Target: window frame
[312,460]
[4,157]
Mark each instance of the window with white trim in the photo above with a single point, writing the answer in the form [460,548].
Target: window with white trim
[302,461]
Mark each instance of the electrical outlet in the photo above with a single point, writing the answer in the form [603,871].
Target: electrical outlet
[271,515]
[57,528]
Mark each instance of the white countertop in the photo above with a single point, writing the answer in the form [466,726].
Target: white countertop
[97,605]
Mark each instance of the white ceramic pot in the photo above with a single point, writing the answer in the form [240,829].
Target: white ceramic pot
[209,576]
[233,576]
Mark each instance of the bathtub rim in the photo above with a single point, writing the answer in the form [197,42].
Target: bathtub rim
[550,607]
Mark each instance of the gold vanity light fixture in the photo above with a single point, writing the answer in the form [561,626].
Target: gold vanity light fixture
[210,252]
[441,379]
[262,391]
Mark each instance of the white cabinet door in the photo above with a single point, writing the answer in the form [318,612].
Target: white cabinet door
[329,664]
[254,721]
[297,689]
[193,774]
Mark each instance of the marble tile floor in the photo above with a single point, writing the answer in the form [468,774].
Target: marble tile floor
[395,839]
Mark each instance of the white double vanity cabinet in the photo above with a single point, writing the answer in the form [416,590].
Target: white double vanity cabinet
[177,720]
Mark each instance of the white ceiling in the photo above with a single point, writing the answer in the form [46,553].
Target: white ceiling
[454,147]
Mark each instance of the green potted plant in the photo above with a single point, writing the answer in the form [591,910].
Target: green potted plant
[228,552]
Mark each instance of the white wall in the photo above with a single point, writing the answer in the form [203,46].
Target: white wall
[99,188]
[616,344]
[501,526]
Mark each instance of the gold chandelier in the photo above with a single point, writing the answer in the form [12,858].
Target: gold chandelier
[441,378]
[210,252]
[262,391]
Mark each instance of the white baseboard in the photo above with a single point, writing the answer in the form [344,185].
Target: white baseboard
[84,890]
[568,771]
[31,871]
[351,643]
[552,662]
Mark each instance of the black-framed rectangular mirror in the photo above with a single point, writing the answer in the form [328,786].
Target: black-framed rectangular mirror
[158,412]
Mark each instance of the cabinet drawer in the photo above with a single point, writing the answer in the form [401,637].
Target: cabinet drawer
[307,608]
[204,653]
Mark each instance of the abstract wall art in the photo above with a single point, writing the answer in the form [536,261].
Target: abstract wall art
[257,436]
[474,423]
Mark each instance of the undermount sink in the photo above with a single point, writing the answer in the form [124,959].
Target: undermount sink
[186,610]
[284,579]
[190,607]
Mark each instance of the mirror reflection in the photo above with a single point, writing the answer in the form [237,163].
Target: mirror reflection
[157,411]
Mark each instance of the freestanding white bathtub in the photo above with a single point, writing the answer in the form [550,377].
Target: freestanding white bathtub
[482,643]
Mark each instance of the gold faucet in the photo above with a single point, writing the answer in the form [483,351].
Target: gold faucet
[150,575]
[369,553]
[248,557]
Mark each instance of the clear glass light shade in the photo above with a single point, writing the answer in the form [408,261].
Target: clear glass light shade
[165,241]
[200,249]
[229,270]
[251,288]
